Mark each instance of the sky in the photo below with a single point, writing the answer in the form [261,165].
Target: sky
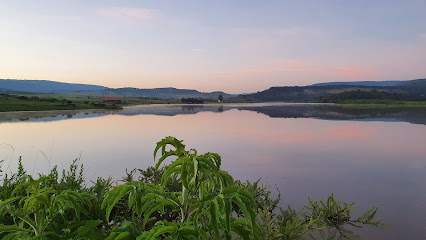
[236,46]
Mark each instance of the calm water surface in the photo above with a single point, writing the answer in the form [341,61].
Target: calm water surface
[373,156]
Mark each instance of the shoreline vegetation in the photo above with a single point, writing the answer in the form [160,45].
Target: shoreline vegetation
[15,102]
[45,102]
[383,103]
[34,95]
[190,197]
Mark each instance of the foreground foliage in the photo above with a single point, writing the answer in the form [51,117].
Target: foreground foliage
[189,198]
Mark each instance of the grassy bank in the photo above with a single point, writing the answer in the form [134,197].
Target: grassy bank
[21,102]
[44,102]
[385,103]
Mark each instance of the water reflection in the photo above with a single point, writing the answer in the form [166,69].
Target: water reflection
[415,115]
[51,115]
[370,156]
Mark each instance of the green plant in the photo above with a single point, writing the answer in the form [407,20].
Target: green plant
[189,198]
[204,204]
[336,217]
[43,211]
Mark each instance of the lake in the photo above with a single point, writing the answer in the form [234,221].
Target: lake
[370,155]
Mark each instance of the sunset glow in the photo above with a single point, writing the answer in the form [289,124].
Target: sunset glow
[236,47]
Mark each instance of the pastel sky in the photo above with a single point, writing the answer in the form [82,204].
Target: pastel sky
[236,46]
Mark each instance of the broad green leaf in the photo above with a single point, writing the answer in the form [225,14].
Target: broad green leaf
[88,226]
[214,221]
[13,228]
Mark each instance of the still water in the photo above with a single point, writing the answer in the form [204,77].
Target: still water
[373,156]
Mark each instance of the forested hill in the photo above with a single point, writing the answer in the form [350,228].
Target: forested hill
[323,92]
[334,92]
[362,83]
[44,86]
[163,93]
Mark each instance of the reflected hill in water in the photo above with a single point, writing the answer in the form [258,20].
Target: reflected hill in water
[46,116]
[415,115]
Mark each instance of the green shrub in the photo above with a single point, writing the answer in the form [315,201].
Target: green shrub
[188,198]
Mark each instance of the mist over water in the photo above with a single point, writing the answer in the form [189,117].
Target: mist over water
[373,156]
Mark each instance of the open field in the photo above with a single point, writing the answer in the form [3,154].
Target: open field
[43,102]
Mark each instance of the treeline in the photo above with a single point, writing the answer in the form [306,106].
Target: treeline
[273,94]
[414,90]
[192,100]
[38,99]
[366,95]
[12,102]
[32,98]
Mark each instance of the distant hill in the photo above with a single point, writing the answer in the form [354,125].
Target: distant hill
[44,86]
[321,92]
[162,93]
[362,83]
[338,91]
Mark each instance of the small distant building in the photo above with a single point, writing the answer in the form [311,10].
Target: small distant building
[111,100]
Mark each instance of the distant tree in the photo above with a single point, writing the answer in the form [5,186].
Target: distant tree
[220,98]
[23,98]
[422,98]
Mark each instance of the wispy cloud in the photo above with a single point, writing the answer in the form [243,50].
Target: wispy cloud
[422,36]
[127,13]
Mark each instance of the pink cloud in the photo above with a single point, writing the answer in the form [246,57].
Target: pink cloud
[422,36]
[278,72]
[129,13]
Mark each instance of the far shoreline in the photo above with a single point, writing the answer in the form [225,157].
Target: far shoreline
[350,105]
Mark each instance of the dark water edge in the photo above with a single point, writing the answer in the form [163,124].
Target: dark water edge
[414,115]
